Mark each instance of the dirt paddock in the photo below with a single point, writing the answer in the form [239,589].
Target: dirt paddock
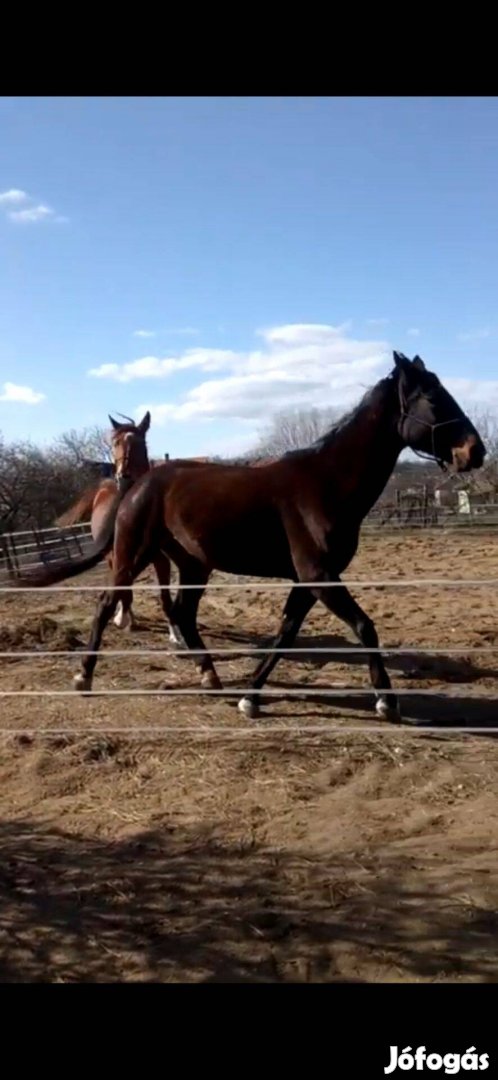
[209,854]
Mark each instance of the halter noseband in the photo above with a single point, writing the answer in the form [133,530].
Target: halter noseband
[405,415]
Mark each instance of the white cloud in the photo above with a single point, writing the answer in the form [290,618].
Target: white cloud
[256,396]
[183,331]
[13,197]
[296,366]
[377,322]
[152,367]
[31,211]
[473,391]
[413,331]
[475,335]
[21,394]
[304,333]
[226,446]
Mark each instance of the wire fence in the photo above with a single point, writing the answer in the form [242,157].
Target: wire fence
[24,549]
[306,692]
[240,582]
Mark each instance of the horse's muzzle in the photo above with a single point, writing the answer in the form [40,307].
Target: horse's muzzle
[470,455]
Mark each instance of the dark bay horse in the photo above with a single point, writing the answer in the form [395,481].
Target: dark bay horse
[297,518]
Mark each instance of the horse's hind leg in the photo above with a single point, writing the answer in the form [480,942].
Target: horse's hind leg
[162,567]
[183,621]
[299,603]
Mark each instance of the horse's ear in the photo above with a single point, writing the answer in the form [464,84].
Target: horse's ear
[114,423]
[401,361]
[144,424]
[418,363]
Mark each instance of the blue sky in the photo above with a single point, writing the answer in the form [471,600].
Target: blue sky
[220,259]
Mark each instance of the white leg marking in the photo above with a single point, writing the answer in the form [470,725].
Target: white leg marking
[174,637]
[385,711]
[82,682]
[122,618]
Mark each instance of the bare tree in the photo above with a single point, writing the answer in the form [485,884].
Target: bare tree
[36,486]
[90,444]
[486,422]
[294,430]
[27,486]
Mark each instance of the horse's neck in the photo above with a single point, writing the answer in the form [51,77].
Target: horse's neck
[142,469]
[361,456]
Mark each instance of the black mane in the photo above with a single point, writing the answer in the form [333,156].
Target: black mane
[369,398]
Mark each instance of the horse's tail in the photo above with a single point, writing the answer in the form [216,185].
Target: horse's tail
[82,509]
[69,568]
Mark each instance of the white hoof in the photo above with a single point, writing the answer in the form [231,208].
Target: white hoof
[386,712]
[248,708]
[82,683]
[122,618]
[175,638]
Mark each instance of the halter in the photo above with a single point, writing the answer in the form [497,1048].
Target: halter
[125,461]
[405,415]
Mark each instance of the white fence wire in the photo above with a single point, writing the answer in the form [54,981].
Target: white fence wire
[304,692]
[391,583]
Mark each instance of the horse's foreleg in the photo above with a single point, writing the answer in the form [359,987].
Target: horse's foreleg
[339,601]
[106,606]
[124,618]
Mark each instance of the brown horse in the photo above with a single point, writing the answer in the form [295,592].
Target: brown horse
[298,518]
[130,460]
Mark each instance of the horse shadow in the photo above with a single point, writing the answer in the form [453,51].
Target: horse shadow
[411,664]
[438,711]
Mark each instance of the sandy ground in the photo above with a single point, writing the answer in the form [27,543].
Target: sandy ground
[213,853]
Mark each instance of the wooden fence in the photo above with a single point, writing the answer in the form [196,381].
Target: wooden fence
[21,550]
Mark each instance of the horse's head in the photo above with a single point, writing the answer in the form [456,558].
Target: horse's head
[129,449]
[431,422]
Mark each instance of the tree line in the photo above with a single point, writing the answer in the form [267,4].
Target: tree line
[301,428]
[38,484]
